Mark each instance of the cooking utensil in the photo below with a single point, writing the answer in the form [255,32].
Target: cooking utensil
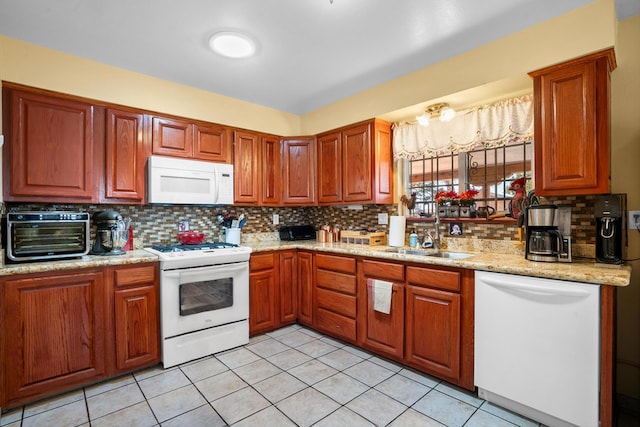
[243,221]
[191,237]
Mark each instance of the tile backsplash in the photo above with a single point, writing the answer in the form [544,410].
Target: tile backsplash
[154,224]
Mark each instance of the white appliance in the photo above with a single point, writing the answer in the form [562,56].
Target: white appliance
[183,181]
[537,347]
[204,299]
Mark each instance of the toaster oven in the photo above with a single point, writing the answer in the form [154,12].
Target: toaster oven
[33,236]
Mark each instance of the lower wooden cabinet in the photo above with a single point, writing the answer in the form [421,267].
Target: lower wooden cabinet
[439,323]
[136,308]
[52,333]
[334,296]
[378,331]
[263,292]
[70,328]
[273,294]
[305,288]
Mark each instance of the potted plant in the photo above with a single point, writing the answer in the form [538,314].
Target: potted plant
[467,203]
[447,203]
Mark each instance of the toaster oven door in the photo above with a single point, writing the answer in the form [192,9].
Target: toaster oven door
[30,241]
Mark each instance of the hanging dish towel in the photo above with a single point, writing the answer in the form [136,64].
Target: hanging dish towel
[381,295]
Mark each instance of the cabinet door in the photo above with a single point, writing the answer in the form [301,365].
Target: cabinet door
[433,331]
[288,287]
[571,119]
[299,171]
[246,171]
[329,168]
[263,293]
[305,288]
[126,155]
[358,170]
[172,137]
[212,143]
[271,172]
[383,163]
[53,333]
[50,149]
[379,331]
[136,317]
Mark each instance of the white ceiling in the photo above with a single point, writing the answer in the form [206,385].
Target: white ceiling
[311,53]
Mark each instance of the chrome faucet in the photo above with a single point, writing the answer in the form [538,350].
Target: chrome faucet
[433,240]
[436,234]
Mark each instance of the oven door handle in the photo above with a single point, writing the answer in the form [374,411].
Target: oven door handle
[226,269]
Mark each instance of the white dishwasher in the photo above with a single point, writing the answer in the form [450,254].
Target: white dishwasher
[537,347]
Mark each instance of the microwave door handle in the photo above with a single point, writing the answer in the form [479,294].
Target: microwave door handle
[216,187]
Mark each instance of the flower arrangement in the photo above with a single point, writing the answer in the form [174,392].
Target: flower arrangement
[468,197]
[447,197]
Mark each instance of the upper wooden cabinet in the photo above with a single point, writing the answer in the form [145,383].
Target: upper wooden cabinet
[126,152]
[247,171]
[50,149]
[572,126]
[355,164]
[271,194]
[185,138]
[298,171]
[212,142]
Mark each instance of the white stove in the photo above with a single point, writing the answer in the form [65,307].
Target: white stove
[204,299]
[212,253]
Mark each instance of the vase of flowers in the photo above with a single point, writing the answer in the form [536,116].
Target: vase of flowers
[467,203]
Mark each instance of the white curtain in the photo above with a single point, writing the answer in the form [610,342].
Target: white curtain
[488,126]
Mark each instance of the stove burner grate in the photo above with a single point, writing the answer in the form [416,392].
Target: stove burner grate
[198,247]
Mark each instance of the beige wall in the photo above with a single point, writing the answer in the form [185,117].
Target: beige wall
[625,178]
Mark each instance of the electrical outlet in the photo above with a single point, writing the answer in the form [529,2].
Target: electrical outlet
[276,219]
[383,218]
[634,220]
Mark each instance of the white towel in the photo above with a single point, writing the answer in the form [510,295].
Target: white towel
[381,295]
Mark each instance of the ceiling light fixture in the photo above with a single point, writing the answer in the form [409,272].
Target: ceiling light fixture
[440,110]
[232,44]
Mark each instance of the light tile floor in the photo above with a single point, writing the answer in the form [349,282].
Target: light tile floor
[292,376]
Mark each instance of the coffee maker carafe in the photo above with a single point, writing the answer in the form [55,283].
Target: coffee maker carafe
[608,213]
[544,242]
[111,233]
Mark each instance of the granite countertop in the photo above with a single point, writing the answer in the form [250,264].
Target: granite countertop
[578,271]
[87,261]
[483,259]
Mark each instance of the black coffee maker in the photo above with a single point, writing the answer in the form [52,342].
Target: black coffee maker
[544,240]
[110,232]
[608,213]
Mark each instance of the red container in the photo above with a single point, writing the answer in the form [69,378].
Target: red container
[191,237]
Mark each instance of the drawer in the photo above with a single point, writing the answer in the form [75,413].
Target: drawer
[336,263]
[434,278]
[135,275]
[383,270]
[339,303]
[340,282]
[264,261]
[335,324]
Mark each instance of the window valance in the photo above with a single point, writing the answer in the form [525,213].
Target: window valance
[491,125]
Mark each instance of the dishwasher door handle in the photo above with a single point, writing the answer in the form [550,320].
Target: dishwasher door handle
[539,290]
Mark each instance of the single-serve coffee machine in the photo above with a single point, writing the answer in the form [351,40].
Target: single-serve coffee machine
[112,232]
[544,240]
[608,213]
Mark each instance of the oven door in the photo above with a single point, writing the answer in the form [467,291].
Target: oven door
[199,298]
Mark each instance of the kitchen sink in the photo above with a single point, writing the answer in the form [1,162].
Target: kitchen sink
[450,255]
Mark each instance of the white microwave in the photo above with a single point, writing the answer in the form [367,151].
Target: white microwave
[189,182]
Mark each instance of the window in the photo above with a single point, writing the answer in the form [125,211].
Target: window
[490,171]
